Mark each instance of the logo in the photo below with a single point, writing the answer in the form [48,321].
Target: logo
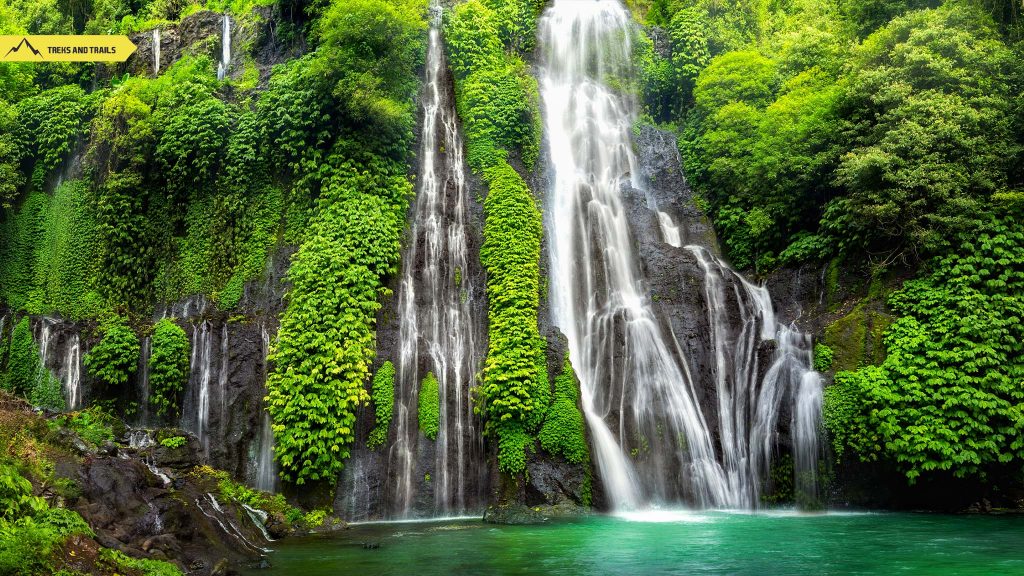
[24,43]
[72,48]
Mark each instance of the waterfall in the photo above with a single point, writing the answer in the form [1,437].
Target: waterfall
[71,374]
[438,331]
[597,292]
[265,477]
[653,442]
[202,360]
[146,351]
[156,51]
[225,48]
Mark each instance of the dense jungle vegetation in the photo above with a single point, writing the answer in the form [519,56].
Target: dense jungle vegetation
[880,140]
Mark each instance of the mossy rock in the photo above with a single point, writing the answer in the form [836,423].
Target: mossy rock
[857,337]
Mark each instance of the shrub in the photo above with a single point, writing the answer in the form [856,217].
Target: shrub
[564,431]
[168,366]
[383,394]
[116,356]
[429,407]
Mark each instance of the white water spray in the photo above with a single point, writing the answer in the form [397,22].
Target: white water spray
[225,48]
[435,304]
[156,51]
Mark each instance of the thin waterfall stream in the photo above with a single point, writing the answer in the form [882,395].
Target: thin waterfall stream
[654,443]
[439,332]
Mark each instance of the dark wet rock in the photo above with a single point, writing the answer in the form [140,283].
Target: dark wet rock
[522,514]
[129,509]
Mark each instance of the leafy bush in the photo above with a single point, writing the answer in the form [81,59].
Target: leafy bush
[23,360]
[174,442]
[168,366]
[564,431]
[383,393]
[92,425]
[429,407]
[823,356]
[948,395]
[116,356]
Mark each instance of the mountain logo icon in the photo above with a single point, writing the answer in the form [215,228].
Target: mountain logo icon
[24,42]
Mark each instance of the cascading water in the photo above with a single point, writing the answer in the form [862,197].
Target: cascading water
[202,367]
[435,305]
[265,477]
[145,352]
[225,48]
[71,374]
[652,441]
[156,51]
[597,293]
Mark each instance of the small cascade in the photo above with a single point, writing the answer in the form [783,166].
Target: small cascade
[438,331]
[156,51]
[265,477]
[143,414]
[202,368]
[669,231]
[807,434]
[225,48]
[259,518]
[70,373]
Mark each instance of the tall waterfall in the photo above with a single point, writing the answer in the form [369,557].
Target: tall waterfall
[652,440]
[265,477]
[202,366]
[156,51]
[438,330]
[225,48]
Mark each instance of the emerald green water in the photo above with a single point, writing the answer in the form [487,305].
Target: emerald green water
[679,543]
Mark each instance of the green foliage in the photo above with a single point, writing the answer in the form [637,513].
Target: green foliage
[341,119]
[928,113]
[231,491]
[168,367]
[11,179]
[119,562]
[429,407]
[93,425]
[948,395]
[174,442]
[510,255]
[47,392]
[497,98]
[49,124]
[23,363]
[31,531]
[383,394]
[822,357]
[564,431]
[497,102]
[116,356]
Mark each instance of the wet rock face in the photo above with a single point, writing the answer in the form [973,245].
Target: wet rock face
[128,508]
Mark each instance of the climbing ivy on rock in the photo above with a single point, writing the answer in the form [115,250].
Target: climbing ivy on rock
[168,367]
[497,102]
[383,393]
[429,407]
[949,395]
[564,431]
[22,361]
[349,155]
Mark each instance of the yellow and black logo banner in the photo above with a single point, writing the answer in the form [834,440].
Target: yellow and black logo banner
[76,48]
